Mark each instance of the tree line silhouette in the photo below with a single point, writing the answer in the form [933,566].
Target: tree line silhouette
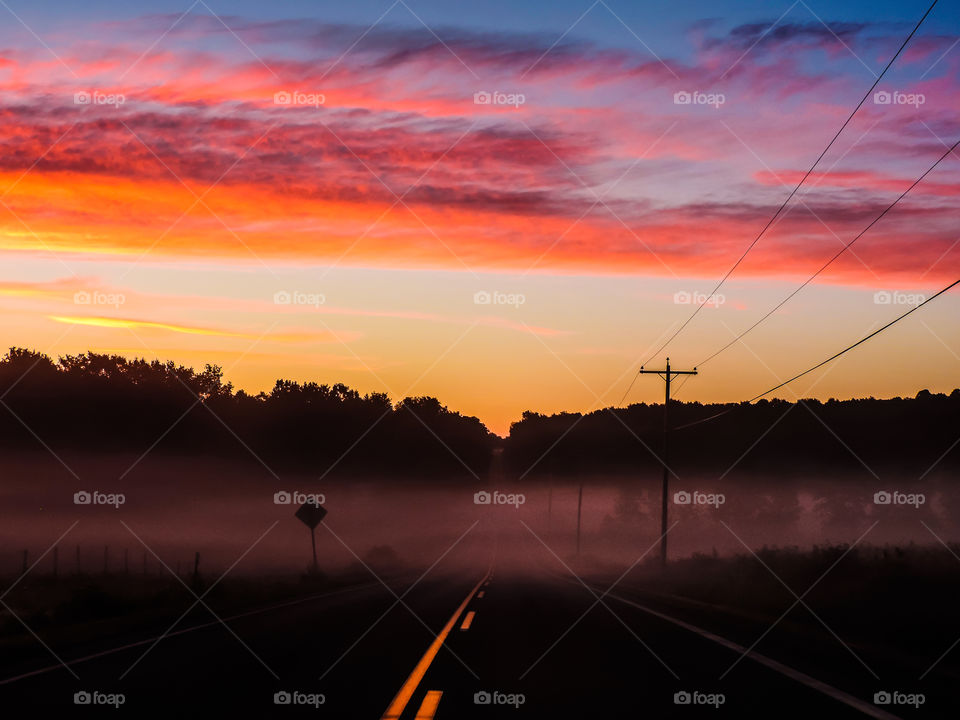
[104,402]
[905,435]
[101,402]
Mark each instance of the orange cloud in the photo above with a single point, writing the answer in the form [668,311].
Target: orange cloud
[510,189]
[123,323]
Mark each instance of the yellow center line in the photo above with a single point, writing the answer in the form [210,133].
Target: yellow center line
[429,706]
[468,620]
[399,704]
[480,594]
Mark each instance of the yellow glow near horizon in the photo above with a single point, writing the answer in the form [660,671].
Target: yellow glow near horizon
[108,322]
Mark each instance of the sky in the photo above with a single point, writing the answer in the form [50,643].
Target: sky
[506,205]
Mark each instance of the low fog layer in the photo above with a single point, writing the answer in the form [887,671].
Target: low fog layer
[175,507]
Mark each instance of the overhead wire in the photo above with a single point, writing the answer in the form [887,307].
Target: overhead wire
[793,192]
[829,359]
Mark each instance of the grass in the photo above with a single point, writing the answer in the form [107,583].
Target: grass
[902,594]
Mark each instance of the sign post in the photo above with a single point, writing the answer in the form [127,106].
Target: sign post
[312,515]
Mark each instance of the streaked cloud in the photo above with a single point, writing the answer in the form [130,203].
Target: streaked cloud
[129,324]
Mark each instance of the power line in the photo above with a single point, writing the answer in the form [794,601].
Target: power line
[706,419]
[794,191]
[831,260]
[630,386]
[832,357]
[859,342]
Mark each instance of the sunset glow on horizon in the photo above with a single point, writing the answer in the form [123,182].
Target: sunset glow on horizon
[503,210]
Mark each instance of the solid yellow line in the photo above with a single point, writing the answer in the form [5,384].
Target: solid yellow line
[429,707]
[399,704]
[468,620]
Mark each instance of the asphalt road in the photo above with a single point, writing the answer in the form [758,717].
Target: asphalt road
[536,644]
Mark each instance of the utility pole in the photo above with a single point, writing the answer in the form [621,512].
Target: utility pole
[667,375]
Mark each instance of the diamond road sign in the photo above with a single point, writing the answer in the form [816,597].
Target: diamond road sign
[311,515]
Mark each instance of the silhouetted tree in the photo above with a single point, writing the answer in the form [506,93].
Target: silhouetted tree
[107,402]
[768,436]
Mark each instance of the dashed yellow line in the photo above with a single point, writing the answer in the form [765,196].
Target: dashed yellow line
[429,706]
[480,594]
[468,620]
[399,704]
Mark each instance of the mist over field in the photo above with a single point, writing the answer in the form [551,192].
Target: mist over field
[180,505]
[437,360]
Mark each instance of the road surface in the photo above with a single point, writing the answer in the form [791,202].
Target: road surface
[470,641]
